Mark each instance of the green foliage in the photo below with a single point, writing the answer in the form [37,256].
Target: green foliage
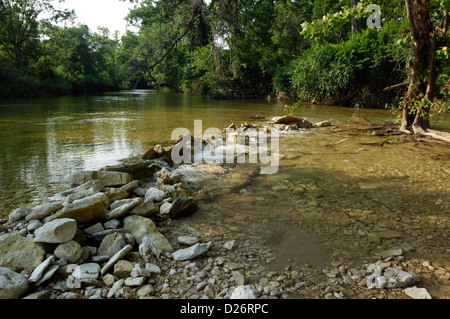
[39,58]
[221,48]
[351,73]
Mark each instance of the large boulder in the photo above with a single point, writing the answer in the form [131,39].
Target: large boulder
[293,120]
[83,210]
[12,284]
[20,253]
[137,170]
[141,227]
[58,231]
[108,178]
[89,188]
[288,120]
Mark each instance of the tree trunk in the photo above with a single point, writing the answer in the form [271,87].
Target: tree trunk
[423,69]
[356,23]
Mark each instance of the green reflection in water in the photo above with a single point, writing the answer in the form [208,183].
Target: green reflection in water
[44,140]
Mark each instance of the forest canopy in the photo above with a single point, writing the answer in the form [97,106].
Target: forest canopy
[322,51]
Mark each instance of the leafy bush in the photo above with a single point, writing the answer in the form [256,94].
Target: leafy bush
[351,73]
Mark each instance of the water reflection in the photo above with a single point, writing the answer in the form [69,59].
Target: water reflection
[44,140]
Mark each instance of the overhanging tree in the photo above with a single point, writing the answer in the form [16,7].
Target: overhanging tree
[424,66]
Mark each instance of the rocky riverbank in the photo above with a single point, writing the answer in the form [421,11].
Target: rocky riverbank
[119,233]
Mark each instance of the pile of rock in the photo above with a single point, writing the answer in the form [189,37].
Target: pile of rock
[103,219]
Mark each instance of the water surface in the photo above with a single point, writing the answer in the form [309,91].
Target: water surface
[44,140]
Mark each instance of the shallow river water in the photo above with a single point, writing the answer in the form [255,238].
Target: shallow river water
[42,141]
[335,187]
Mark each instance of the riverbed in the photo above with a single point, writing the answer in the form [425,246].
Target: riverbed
[337,188]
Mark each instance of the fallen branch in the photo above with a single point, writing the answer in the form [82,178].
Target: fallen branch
[396,86]
[341,141]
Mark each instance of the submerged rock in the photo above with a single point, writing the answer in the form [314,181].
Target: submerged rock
[288,120]
[184,206]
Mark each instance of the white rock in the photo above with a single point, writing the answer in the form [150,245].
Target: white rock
[43,211]
[89,271]
[111,244]
[123,209]
[155,195]
[145,290]
[96,228]
[87,189]
[18,214]
[243,292]
[70,251]
[397,278]
[191,252]
[39,271]
[122,253]
[33,225]
[417,293]
[58,231]
[48,274]
[229,244]
[164,209]
[134,282]
[12,284]
[130,186]
[112,224]
[187,240]
[147,248]
[142,227]
[152,268]
[113,292]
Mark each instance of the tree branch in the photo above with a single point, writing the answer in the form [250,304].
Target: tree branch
[174,44]
[396,86]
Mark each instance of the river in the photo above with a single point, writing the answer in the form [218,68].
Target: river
[43,141]
[335,188]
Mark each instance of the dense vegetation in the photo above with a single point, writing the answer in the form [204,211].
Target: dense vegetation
[306,50]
